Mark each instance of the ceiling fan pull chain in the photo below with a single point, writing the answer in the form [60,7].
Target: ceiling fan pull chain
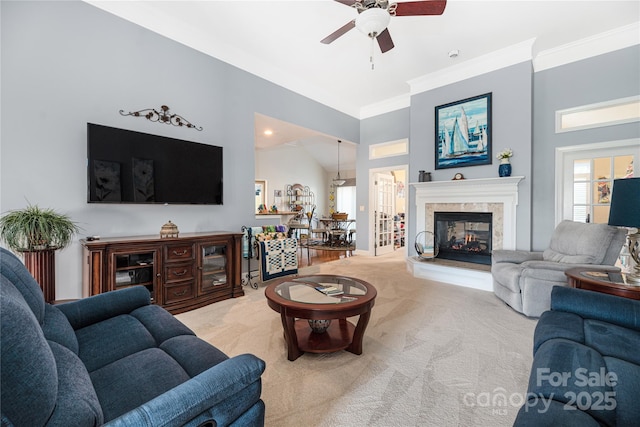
[372,52]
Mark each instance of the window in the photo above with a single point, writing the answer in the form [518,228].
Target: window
[585,178]
[608,113]
[346,201]
[389,149]
[592,184]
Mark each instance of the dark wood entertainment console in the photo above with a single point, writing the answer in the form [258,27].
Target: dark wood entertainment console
[181,273]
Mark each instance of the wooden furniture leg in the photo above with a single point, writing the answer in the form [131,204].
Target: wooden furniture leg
[358,334]
[288,324]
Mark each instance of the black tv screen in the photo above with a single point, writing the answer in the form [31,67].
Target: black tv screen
[133,167]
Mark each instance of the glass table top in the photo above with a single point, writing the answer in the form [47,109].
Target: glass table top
[608,276]
[321,289]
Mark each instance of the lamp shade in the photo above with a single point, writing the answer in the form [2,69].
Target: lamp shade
[373,21]
[625,203]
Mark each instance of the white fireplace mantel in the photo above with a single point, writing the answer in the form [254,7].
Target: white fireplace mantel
[477,195]
[484,190]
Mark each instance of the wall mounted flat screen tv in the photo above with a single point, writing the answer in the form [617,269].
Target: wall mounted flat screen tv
[131,167]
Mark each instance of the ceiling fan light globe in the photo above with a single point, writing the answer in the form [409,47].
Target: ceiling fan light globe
[372,22]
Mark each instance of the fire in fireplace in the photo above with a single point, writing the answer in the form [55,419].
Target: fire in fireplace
[464,236]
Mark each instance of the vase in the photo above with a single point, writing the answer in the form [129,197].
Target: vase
[424,176]
[505,168]
[319,326]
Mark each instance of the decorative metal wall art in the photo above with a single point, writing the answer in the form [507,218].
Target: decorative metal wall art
[162,116]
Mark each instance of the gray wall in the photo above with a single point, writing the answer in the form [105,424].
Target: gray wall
[601,78]
[68,63]
[511,111]
[383,128]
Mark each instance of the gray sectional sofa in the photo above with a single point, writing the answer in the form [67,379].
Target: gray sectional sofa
[586,365]
[114,359]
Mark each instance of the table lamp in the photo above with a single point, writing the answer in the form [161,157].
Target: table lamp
[625,212]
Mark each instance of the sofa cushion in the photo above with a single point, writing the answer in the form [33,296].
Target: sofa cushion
[77,403]
[28,376]
[558,324]
[105,342]
[182,349]
[595,305]
[87,311]
[626,391]
[538,412]
[560,371]
[137,378]
[14,270]
[571,244]
[613,340]
[56,328]
[160,323]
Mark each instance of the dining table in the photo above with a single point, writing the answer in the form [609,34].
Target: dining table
[337,230]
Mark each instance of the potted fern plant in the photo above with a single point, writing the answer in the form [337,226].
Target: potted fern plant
[37,233]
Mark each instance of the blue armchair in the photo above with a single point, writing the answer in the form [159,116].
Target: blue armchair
[114,359]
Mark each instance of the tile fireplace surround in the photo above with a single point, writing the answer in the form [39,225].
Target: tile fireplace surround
[496,195]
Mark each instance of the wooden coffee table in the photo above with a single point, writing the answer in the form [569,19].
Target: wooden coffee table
[602,281]
[300,304]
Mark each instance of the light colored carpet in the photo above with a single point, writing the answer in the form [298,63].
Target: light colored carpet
[433,354]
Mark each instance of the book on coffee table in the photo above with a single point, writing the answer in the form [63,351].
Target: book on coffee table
[329,290]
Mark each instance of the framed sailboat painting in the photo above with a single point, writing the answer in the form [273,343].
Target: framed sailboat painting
[463,133]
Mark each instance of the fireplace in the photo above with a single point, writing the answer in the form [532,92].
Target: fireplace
[464,236]
[497,196]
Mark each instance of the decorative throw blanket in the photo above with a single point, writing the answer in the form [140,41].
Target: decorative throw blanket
[278,258]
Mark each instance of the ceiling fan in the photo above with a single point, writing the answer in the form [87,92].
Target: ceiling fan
[374,16]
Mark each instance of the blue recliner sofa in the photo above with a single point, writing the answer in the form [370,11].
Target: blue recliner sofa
[586,365]
[114,359]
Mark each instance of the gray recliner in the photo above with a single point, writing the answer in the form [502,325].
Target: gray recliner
[524,280]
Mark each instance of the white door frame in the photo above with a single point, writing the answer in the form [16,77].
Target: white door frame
[372,203]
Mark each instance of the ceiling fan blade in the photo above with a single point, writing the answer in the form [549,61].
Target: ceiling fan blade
[346,2]
[415,8]
[384,41]
[339,32]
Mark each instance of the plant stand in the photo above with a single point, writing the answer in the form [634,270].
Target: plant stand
[42,266]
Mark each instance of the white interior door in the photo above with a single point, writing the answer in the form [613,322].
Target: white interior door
[385,208]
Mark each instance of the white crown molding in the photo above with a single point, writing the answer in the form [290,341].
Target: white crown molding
[486,63]
[609,41]
[493,61]
[386,106]
[618,38]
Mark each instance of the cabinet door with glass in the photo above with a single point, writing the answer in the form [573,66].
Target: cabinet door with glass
[213,267]
[133,268]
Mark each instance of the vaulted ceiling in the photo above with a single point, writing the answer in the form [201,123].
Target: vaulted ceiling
[280,40]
